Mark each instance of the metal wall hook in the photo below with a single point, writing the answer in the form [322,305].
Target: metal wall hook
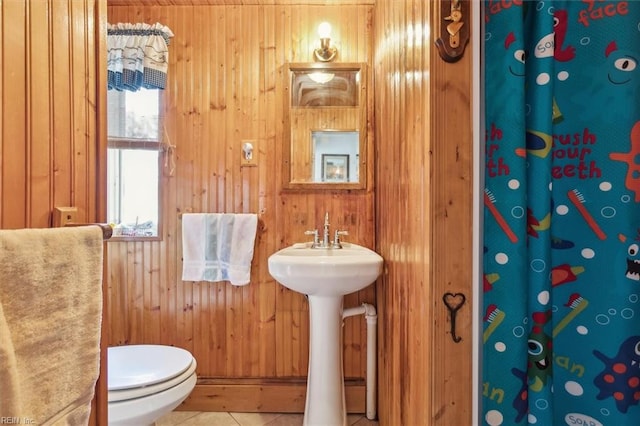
[453,302]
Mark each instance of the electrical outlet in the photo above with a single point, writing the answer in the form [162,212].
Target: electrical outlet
[64,215]
[249,153]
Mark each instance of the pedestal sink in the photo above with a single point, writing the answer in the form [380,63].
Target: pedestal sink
[325,275]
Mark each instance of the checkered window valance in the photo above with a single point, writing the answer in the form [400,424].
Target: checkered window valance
[138,56]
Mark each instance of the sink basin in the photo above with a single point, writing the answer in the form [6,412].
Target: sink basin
[325,272]
[325,276]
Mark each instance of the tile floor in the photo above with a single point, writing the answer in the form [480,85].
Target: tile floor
[195,418]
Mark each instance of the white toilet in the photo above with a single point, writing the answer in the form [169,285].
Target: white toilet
[147,381]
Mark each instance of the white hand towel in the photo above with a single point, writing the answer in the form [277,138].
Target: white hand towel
[218,247]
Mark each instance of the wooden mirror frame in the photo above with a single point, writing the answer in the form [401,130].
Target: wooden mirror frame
[326,119]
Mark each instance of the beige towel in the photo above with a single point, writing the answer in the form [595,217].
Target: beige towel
[50,317]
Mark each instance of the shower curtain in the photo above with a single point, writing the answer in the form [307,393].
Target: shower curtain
[561,261]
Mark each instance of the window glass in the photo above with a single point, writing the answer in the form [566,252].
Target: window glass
[133,191]
[133,115]
[133,162]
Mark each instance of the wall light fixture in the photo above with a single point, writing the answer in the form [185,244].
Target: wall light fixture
[325,53]
[321,77]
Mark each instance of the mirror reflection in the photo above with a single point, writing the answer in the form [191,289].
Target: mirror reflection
[327,127]
[324,88]
[336,156]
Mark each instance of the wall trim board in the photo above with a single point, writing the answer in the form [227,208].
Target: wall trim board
[423,184]
[263,395]
[451,214]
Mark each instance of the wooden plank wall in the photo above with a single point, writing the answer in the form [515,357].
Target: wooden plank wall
[226,84]
[424,206]
[49,119]
[47,111]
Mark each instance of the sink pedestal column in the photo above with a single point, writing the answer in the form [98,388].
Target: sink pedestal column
[325,403]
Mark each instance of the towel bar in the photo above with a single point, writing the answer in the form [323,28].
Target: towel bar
[107,230]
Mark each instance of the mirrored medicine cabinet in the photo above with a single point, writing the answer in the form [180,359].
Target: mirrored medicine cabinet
[325,126]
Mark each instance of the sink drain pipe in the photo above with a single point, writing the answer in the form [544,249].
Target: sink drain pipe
[371,316]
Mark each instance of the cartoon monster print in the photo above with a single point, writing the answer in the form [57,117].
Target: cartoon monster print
[623,76]
[633,262]
[538,363]
[614,83]
[521,401]
[506,78]
[539,359]
[516,63]
[561,53]
[622,65]
[632,180]
[560,26]
[620,378]
[630,256]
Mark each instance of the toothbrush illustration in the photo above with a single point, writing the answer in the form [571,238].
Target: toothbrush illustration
[577,304]
[489,201]
[494,317]
[578,200]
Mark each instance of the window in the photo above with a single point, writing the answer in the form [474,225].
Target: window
[133,162]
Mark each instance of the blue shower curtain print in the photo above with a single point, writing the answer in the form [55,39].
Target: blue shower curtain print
[561,262]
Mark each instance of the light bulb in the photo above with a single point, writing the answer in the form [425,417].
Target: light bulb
[324,30]
[321,77]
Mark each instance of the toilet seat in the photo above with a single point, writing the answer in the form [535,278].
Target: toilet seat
[135,371]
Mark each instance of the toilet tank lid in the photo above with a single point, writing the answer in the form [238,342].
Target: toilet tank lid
[133,366]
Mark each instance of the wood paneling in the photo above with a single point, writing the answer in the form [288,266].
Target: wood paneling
[49,122]
[227,64]
[226,84]
[234,2]
[424,206]
[47,111]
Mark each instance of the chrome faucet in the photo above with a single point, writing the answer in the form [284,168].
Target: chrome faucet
[336,239]
[326,243]
[325,238]
[316,238]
